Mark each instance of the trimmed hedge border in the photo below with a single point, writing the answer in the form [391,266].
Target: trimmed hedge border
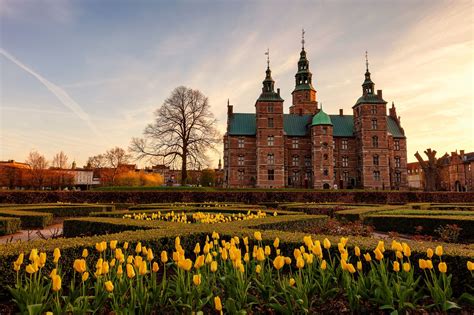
[33,220]
[408,223]
[252,197]
[358,213]
[9,225]
[64,210]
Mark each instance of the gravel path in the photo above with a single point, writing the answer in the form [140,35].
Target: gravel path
[28,235]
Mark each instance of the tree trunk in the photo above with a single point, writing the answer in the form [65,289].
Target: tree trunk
[184,171]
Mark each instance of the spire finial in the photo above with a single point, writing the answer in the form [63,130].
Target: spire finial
[366,61]
[267,53]
[302,38]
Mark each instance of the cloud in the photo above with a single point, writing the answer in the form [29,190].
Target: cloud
[60,94]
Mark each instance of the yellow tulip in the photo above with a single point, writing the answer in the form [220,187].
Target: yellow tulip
[56,255]
[53,273]
[225,254]
[217,304]
[119,271]
[137,261]
[276,242]
[155,267]
[359,265]
[268,250]
[246,257]
[429,253]
[288,260]
[326,243]
[31,269]
[470,265]
[399,254]
[367,257]
[396,246]
[378,254]
[297,253]
[109,286]
[42,260]
[396,266]
[199,262]
[258,236]
[113,244]
[279,262]
[260,254]
[214,266]
[439,250]
[138,248]
[258,269]
[246,241]
[197,279]
[164,257]
[130,271]
[85,276]
[323,264]
[381,246]
[149,255]
[422,263]
[16,267]
[79,265]
[125,245]
[19,260]
[429,264]
[406,250]
[56,283]
[129,259]
[292,282]
[85,253]
[343,241]
[105,267]
[142,270]
[442,267]
[299,262]
[350,268]
[33,254]
[357,251]
[316,249]
[406,267]
[185,264]
[112,262]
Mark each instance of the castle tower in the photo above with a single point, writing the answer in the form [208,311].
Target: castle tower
[270,138]
[370,129]
[304,94]
[322,151]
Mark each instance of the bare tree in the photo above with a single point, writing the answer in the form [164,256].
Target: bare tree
[431,169]
[38,168]
[60,160]
[96,161]
[116,157]
[182,132]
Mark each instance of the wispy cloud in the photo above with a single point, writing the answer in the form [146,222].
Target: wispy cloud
[60,93]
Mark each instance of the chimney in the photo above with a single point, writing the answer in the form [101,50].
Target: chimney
[379,94]
[278,91]
[341,112]
[229,108]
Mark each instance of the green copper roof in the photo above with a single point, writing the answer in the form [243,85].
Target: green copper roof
[321,118]
[244,124]
[371,99]
[300,87]
[270,97]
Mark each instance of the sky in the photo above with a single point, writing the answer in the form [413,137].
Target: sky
[86,76]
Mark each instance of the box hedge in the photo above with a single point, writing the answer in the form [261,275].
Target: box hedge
[29,220]
[246,196]
[64,210]
[9,225]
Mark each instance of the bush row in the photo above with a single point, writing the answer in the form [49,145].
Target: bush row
[223,196]
[9,225]
[64,210]
[29,220]
[430,212]
[356,214]
[409,223]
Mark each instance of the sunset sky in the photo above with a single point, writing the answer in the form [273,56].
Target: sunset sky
[85,76]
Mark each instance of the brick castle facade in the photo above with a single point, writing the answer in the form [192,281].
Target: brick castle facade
[308,148]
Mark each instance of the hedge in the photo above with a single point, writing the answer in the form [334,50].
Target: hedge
[29,219]
[358,213]
[408,223]
[163,239]
[65,210]
[430,212]
[9,225]
[249,196]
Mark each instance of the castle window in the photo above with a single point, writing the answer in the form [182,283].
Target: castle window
[397,144]
[345,161]
[374,124]
[307,161]
[271,159]
[375,141]
[270,122]
[373,110]
[270,108]
[241,174]
[325,172]
[241,142]
[397,162]
[325,130]
[375,159]
[270,141]
[344,144]
[345,176]
[241,160]
[296,160]
[376,175]
[295,178]
[325,157]
[294,143]
[271,174]
[398,177]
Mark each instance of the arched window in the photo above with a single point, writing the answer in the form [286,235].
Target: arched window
[375,159]
[375,141]
[270,159]
[374,124]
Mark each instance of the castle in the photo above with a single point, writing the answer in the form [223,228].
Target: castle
[308,148]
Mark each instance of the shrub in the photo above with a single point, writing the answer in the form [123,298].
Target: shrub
[9,225]
[449,232]
[65,210]
[29,219]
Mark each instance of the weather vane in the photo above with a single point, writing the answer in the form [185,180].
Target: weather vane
[267,53]
[366,61]
[302,38]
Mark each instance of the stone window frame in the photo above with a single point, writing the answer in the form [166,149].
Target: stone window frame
[376,175]
[271,174]
[295,161]
[375,141]
[376,160]
[241,160]
[345,161]
[344,144]
[398,162]
[307,161]
[270,159]
[270,140]
[241,142]
[396,145]
[373,110]
[241,175]
[295,143]
[270,108]
[374,124]
[398,177]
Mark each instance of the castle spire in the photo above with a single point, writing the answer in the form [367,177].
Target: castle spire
[268,89]
[368,85]
[303,77]
[302,39]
